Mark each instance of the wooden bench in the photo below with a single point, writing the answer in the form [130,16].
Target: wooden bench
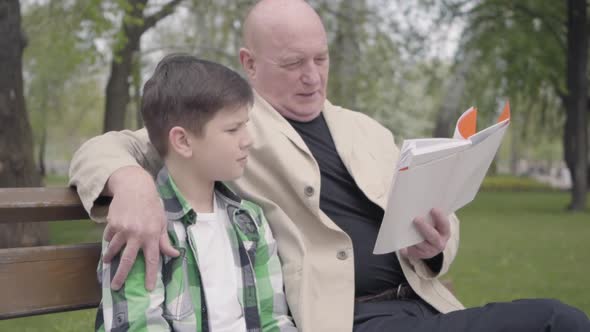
[47,279]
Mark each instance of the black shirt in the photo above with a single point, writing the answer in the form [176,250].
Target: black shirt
[343,201]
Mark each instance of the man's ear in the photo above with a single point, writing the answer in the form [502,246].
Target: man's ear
[180,141]
[247,61]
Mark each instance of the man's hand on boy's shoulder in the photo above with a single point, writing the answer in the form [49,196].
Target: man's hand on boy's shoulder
[135,221]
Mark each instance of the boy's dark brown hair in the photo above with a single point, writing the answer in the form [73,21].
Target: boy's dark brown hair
[186,91]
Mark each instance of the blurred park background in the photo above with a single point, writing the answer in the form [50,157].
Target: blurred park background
[73,69]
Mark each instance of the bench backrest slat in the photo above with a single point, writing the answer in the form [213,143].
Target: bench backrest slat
[40,204]
[47,279]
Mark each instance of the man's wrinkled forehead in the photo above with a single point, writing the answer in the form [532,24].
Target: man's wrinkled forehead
[274,22]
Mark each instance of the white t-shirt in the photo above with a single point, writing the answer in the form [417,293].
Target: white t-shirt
[218,273]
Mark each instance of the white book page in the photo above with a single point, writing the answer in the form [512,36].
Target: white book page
[430,153]
[437,173]
[472,168]
[482,135]
[413,193]
[424,150]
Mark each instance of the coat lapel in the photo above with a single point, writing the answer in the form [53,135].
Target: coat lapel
[274,118]
[361,161]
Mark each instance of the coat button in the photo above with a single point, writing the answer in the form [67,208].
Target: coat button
[309,191]
[342,255]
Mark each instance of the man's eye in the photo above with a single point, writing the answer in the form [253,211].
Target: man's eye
[293,64]
[232,130]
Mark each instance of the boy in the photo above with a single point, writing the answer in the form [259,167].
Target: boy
[228,275]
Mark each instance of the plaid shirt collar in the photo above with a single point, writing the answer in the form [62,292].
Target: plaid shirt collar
[177,207]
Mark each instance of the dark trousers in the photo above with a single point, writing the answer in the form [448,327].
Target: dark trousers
[520,316]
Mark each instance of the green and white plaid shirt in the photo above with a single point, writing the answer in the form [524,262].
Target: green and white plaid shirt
[178,302]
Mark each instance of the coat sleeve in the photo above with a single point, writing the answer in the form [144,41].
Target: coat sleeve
[99,157]
[448,255]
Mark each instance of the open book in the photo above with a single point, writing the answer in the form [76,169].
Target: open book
[443,173]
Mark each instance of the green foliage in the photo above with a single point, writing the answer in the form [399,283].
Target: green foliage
[514,50]
[370,70]
[61,85]
[521,55]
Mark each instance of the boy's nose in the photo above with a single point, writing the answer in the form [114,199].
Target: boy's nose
[246,142]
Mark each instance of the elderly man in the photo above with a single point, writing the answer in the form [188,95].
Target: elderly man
[321,174]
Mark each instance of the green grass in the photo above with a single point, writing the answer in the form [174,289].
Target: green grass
[523,245]
[52,180]
[513,183]
[513,245]
[75,321]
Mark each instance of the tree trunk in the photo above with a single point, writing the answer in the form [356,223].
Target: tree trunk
[17,165]
[137,91]
[42,148]
[117,90]
[344,62]
[576,132]
[447,114]
[43,141]
[514,154]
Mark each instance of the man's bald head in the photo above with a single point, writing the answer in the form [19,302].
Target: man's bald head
[285,55]
[268,15]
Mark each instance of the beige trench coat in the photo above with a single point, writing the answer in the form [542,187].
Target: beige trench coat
[284,178]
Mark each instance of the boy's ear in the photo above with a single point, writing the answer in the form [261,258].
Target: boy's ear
[247,61]
[180,141]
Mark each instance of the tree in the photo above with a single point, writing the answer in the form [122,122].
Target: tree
[453,93]
[576,125]
[350,18]
[134,24]
[534,52]
[369,69]
[56,56]
[17,166]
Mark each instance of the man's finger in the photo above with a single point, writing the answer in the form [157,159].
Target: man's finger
[109,232]
[125,264]
[428,232]
[426,249]
[152,257]
[166,248]
[404,252]
[441,222]
[417,252]
[115,246]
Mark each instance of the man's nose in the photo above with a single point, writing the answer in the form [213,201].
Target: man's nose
[311,74]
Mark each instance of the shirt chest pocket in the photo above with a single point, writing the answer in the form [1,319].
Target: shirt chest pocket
[178,305]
